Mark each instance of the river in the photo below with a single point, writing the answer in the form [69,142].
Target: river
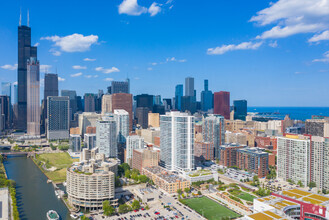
[34,196]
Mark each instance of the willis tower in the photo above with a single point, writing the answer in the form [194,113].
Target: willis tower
[25,52]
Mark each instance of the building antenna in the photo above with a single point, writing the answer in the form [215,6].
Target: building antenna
[20,17]
[28,18]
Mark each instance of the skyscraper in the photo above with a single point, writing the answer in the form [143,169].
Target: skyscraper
[133,142]
[120,87]
[145,100]
[189,86]
[58,117]
[6,89]
[5,111]
[119,101]
[73,101]
[222,104]
[106,136]
[142,116]
[50,89]
[177,141]
[122,122]
[25,52]
[178,96]
[240,109]
[33,97]
[213,131]
[89,102]
[206,98]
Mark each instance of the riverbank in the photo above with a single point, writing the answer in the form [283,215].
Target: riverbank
[34,196]
[11,185]
[54,165]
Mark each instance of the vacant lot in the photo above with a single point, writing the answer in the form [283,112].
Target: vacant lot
[59,160]
[210,209]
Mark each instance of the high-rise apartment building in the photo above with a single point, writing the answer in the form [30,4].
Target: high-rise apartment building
[146,157]
[33,97]
[294,155]
[106,136]
[106,103]
[178,96]
[254,160]
[87,119]
[122,123]
[75,142]
[90,141]
[73,101]
[177,141]
[317,127]
[240,109]
[89,102]
[58,119]
[206,98]
[222,104]
[6,89]
[213,131]
[25,53]
[133,142]
[204,151]
[227,154]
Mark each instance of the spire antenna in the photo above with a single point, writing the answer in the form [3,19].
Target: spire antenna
[20,17]
[28,18]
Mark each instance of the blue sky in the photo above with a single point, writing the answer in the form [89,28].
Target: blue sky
[272,54]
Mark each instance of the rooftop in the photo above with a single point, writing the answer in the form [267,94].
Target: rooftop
[276,202]
[267,215]
[165,174]
[307,197]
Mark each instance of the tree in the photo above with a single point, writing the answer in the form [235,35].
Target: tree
[127,174]
[124,208]
[299,183]
[107,208]
[312,184]
[207,186]
[84,218]
[134,176]
[143,179]
[117,182]
[125,166]
[136,205]
[187,190]
[199,193]
[179,191]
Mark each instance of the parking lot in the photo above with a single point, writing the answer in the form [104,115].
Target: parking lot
[238,174]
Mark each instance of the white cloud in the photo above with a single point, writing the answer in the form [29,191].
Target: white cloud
[273,44]
[292,17]
[77,67]
[319,37]
[231,47]
[73,43]
[76,74]
[9,67]
[108,79]
[88,76]
[36,44]
[136,78]
[95,76]
[103,70]
[45,68]
[131,7]
[61,79]
[89,59]
[15,83]
[154,9]
[149,68]
[325,58]
[173,59]
[55,52]
[154,64]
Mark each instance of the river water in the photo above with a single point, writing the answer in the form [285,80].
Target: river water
[34,196]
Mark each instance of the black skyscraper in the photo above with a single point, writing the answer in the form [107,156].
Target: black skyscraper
[25,52]
[50,89]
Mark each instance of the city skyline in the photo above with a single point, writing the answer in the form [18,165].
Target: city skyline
[247,61]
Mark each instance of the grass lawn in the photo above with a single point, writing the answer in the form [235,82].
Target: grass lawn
[246,196]
[59,160]
[211,210]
